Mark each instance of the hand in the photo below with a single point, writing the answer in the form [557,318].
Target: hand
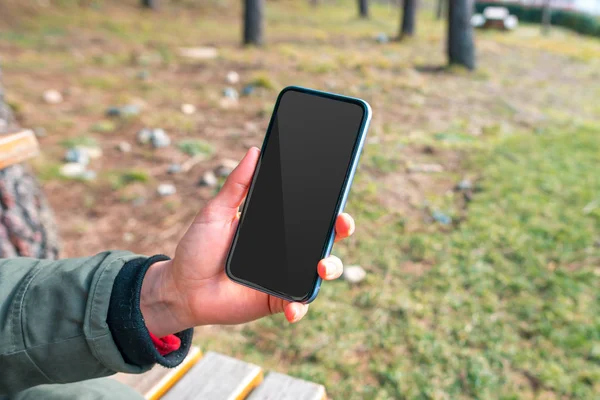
[192,289]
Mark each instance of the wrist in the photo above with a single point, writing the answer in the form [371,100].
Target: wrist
[159,303]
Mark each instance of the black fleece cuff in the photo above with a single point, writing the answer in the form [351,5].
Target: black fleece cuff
[127,324]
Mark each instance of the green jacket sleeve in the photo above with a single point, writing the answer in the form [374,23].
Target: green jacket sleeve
[53,320]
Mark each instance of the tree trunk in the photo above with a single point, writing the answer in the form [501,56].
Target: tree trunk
[152,4]
[546,17]
[363,8]
[439,10]
[27,227]
[409,12]
[253,22]
[461,49]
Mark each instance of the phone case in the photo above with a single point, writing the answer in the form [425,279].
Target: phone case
[341,200]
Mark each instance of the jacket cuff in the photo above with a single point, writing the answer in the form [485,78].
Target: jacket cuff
[127,324]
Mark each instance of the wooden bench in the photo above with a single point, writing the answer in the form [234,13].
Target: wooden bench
[216,376]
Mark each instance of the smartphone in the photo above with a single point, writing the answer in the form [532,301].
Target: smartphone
[300,186]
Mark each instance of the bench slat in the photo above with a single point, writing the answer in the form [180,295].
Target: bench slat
[282,387]
[154,383]
[216,377]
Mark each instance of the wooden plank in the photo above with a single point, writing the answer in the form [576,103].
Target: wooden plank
[282,387]
[217,377]
[17,147]
[156,382]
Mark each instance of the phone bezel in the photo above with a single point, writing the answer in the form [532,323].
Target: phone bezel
[341,202]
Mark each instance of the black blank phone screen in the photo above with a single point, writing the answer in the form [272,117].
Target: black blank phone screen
[290,209]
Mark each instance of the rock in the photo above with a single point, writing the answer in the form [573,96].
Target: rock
[128,237]
[426,168]
[465,184]
[382,38]
[188,109]
[160,138]
[248,90]
[231,93]
[124,147]
[144,136]
[232,77]
[354,274]
[442,218]
[92,152]
[40,132]
[174,169]
[72,170]
[52,96]
[78,156]
[209,179]
[128,110]
[225,168]
[199,53]
[143,75]
[166,189]
[88,175]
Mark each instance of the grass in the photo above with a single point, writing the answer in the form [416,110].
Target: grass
[501,303]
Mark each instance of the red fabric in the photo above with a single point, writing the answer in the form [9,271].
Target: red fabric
[166,344]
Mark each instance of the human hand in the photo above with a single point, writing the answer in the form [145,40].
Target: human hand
[192,289]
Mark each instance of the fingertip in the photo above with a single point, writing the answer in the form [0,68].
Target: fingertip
[344,225]
[330,268]
[295,311]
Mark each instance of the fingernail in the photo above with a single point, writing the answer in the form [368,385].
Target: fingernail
[330,269]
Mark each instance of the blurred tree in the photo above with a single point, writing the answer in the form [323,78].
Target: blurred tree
[439,9]
[253,21]
[363,8]
[153,4]
[409,12]
[27,226]
[461,49]
[546,16]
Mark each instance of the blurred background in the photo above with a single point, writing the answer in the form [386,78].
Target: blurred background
[475,269]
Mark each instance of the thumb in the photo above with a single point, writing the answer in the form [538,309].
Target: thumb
[237,184]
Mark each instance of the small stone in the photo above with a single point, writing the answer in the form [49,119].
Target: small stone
[88,175]
[231,93]
[382,38]
[124,147]
[209,179]
[78,156]
[426,168]
[232,77]
[174,169]
[53,97]
[160,138]
[144,136]
[465,184]
[72,170]
[128,237]
[225,168]
[442,218]
[227,103]
[248,90]
[129,110]
[354,274]
[143,75]
[188,109]
[199,53]
[92,152]
[40,132]
[166,189]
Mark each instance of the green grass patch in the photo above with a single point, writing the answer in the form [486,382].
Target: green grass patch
[195,147]
[120,179]
[86,141]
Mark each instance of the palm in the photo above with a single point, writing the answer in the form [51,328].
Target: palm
[198,268]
